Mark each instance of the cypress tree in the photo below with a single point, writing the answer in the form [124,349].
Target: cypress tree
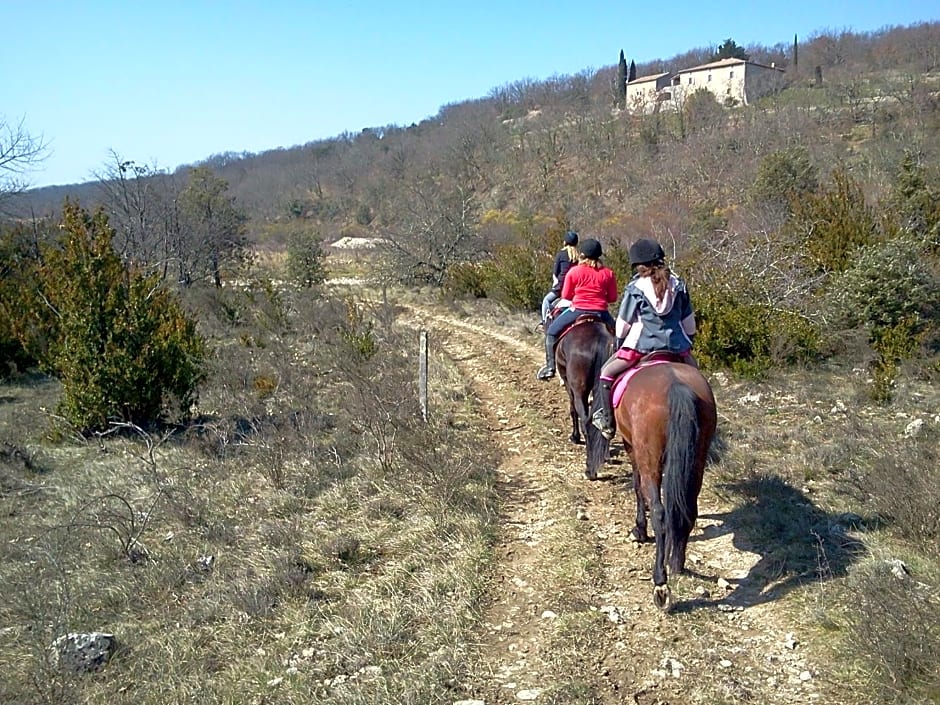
[794,53]
[632,75]
[622,81]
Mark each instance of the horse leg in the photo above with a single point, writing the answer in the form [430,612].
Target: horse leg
[639,533]
[595,444]
[661,595]
[575,421]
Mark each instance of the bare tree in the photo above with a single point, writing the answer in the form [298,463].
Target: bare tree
[216,228]
[437,229]
[20,152]
[142,203]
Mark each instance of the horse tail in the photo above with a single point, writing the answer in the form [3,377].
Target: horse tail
[598,446]
[680,485]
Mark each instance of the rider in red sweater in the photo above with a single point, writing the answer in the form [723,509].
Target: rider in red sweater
[591,287]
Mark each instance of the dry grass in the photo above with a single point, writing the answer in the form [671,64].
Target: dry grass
[286,547]
[309,540]
[833,490]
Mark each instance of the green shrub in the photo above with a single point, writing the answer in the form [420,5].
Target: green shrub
[784,177]
[833,223]
[887,283]
[617,257]
[707,218]
[305,258]
[893,344]
[747,337]
[517,277]
[357,333]
[18,261]
[702,111]
[120,342]
[466,279]
[520,273]
[914,202]
[891,292]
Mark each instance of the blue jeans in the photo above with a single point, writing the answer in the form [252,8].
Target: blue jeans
[565,319]
[547,303]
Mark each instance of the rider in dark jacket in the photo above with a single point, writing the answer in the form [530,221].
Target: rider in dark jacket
[655,314]
[566,258]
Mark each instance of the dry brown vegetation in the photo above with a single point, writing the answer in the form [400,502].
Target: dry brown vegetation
[310,538]
[305,526]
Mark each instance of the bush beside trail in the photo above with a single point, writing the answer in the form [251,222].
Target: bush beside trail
[118,339]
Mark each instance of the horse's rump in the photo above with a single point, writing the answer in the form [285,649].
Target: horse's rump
[582,319]
[645,389]
[581,352]
[667,420]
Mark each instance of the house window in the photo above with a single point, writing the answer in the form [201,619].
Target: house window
[731,74]
[690,79]
[709,77]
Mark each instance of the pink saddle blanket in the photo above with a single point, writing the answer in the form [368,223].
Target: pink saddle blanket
[620,385]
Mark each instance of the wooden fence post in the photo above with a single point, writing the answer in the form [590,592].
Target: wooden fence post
[423,373]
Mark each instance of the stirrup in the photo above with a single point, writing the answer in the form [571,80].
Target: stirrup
[546,373]
[602,422]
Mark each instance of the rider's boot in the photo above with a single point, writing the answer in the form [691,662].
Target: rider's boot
[603,418]
[547,372]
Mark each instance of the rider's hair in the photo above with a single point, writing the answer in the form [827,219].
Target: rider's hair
[596,263]
[572,251]
[659,273]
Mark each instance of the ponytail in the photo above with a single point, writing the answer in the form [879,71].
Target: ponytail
[659,273]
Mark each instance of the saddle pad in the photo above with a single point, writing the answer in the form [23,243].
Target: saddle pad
[580,320]
[620,386]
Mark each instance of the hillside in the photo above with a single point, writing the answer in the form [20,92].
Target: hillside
[560,149]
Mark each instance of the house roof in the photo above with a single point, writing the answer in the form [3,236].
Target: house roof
[644,79]
[726,62]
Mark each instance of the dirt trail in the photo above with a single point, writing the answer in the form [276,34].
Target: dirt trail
[710,649]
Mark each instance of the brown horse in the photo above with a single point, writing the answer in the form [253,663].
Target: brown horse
[667,418]
[579,356]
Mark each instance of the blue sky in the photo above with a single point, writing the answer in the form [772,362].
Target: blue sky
[170,82]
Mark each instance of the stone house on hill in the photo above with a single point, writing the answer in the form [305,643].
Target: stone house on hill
[645,92]
[732,81]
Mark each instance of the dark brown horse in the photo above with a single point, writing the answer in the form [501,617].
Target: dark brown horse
[579,356]
[667,418]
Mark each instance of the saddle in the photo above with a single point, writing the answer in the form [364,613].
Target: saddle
[657,357]
[585,318]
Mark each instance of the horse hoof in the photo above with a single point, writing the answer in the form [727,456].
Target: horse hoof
[662,598]
[590,475]
[637,537]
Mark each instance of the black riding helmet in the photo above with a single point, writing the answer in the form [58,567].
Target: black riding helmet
[571,238]
[591,249]
[646,251]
